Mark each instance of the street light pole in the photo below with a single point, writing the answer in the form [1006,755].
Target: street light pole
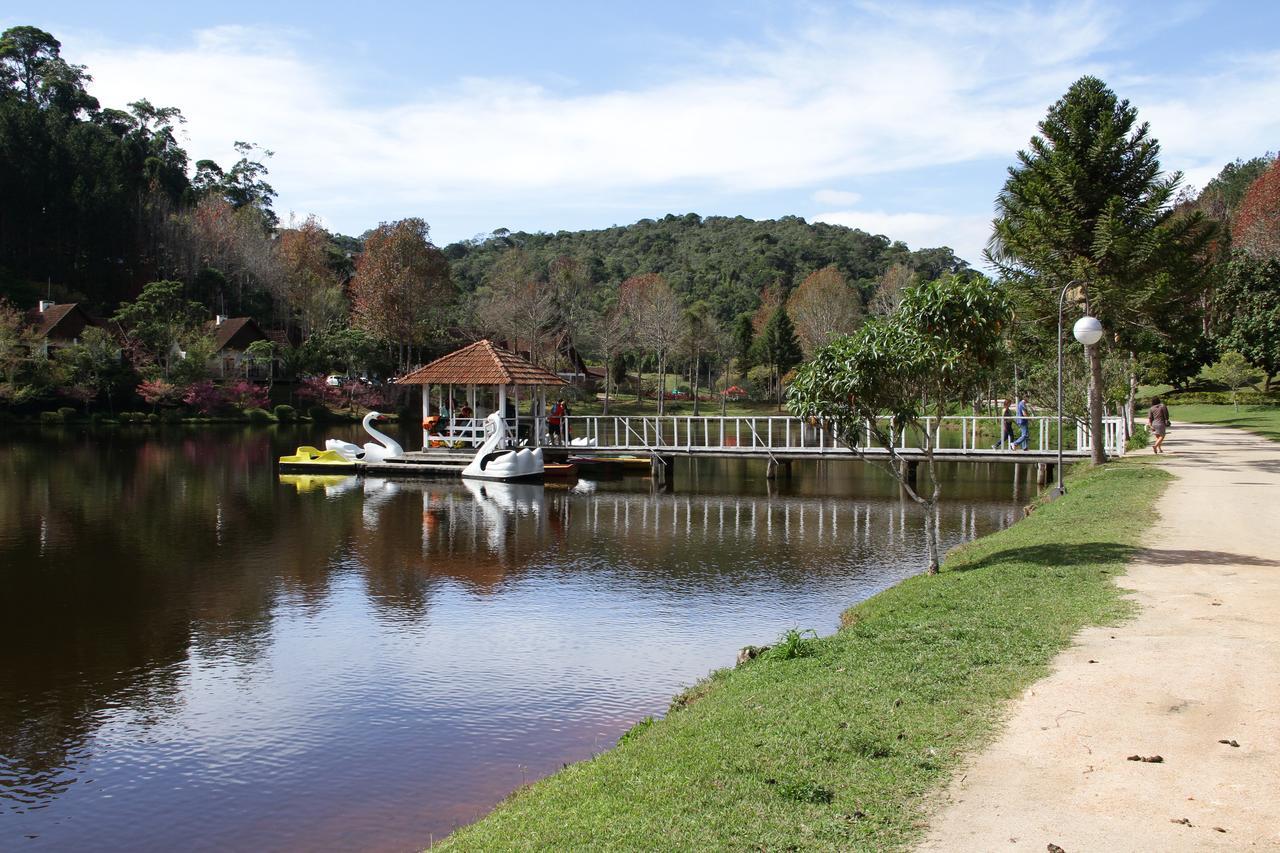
[1062,296]
[1087,331]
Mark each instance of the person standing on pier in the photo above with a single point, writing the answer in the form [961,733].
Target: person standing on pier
[1024,422]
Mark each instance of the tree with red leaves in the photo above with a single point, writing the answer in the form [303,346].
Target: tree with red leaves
[402,292]
[1257,227]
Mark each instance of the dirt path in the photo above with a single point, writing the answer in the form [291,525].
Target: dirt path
[1200,664]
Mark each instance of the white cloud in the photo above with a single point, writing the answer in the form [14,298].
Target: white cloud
[965,235]
[900,88]
[835,198]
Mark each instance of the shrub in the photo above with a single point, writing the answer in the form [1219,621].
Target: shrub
[793,644]
[1246,398]
[96,418]
[258,415]
[245,395]
[51,418]
[170,416]
[285,413]
[158,392]
[203,396]
[1140,438]
[319,413]
[67,412]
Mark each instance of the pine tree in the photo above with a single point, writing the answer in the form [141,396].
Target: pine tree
[779,347]
[1087,205]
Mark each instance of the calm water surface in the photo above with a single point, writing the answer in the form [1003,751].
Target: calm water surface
[198,654]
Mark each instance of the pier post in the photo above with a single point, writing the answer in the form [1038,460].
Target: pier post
[910,468]
[663,471]
[1044,473]
[775,466]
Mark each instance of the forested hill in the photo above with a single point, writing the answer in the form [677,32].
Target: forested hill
[726,261]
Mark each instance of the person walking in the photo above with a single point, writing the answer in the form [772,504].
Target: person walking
[1158,421]
[1006,425]
[1023,413]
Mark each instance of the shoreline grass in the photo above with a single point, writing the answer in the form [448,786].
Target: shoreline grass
[846,745]
[1260,420]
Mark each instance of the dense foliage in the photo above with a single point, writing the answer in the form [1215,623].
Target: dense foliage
[726,262]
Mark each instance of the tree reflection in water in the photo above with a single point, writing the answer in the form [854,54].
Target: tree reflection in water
[298,661]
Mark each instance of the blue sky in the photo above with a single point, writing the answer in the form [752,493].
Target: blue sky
[899,118]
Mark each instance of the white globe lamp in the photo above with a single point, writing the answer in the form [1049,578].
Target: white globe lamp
[1087,330]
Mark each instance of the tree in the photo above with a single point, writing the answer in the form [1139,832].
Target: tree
[905,372]
[401,292]
[889,289]
[778,348]
[609,332]
[156,323]
[1087,206]
[92,365]
[1234,371]
[24,371]
[312,290]
[656,317]
[517,305]
[1257,227]
[744,340]
[1249,303]
[822,307]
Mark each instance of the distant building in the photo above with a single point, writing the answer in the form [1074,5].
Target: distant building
[231,337]
[60,326]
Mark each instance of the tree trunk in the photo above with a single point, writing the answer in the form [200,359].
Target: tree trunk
[931,535]
[694,385]
[608,377]
[662,385]
[1131,402]
[1096,443]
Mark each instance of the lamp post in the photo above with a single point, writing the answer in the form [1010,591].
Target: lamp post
[1088,331]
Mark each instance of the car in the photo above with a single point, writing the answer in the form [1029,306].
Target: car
[334,380]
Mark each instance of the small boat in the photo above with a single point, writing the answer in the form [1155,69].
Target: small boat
[308,455]
[560,470]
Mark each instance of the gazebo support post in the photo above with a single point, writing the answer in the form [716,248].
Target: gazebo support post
[426,410]
[502,408]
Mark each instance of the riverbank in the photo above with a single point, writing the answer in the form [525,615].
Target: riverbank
[1189,686]
[846,745]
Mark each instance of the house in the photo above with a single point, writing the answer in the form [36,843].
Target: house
[60,326]
[231,337]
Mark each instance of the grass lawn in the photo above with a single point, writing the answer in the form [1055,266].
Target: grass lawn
[847,746]
[1263,420]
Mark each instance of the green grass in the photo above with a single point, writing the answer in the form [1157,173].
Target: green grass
[847,745]
[1263,420]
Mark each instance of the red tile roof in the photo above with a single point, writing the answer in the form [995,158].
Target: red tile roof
[47,321]
[481,363]
[226,330]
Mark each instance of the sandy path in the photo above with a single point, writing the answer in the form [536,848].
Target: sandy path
[1199,664]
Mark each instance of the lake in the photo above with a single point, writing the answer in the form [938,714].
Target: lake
[196,653]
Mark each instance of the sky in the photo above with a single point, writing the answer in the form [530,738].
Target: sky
[900,118]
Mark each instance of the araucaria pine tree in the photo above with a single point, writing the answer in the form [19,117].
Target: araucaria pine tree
[779,348]
[1086,206]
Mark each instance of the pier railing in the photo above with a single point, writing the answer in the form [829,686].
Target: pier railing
[762,435]
[753,434]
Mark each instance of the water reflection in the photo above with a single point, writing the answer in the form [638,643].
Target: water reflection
[312,661]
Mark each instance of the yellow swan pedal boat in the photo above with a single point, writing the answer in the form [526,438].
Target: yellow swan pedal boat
[308,455]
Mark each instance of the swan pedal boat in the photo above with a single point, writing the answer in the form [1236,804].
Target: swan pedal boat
[308,455]
[495,462]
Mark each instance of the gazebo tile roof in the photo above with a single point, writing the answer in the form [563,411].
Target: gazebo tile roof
[481,363]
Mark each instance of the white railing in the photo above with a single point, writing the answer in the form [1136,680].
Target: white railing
[977,434]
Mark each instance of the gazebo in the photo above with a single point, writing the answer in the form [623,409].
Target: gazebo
[486,371]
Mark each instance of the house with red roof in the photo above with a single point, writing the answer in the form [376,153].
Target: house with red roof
[62,325]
